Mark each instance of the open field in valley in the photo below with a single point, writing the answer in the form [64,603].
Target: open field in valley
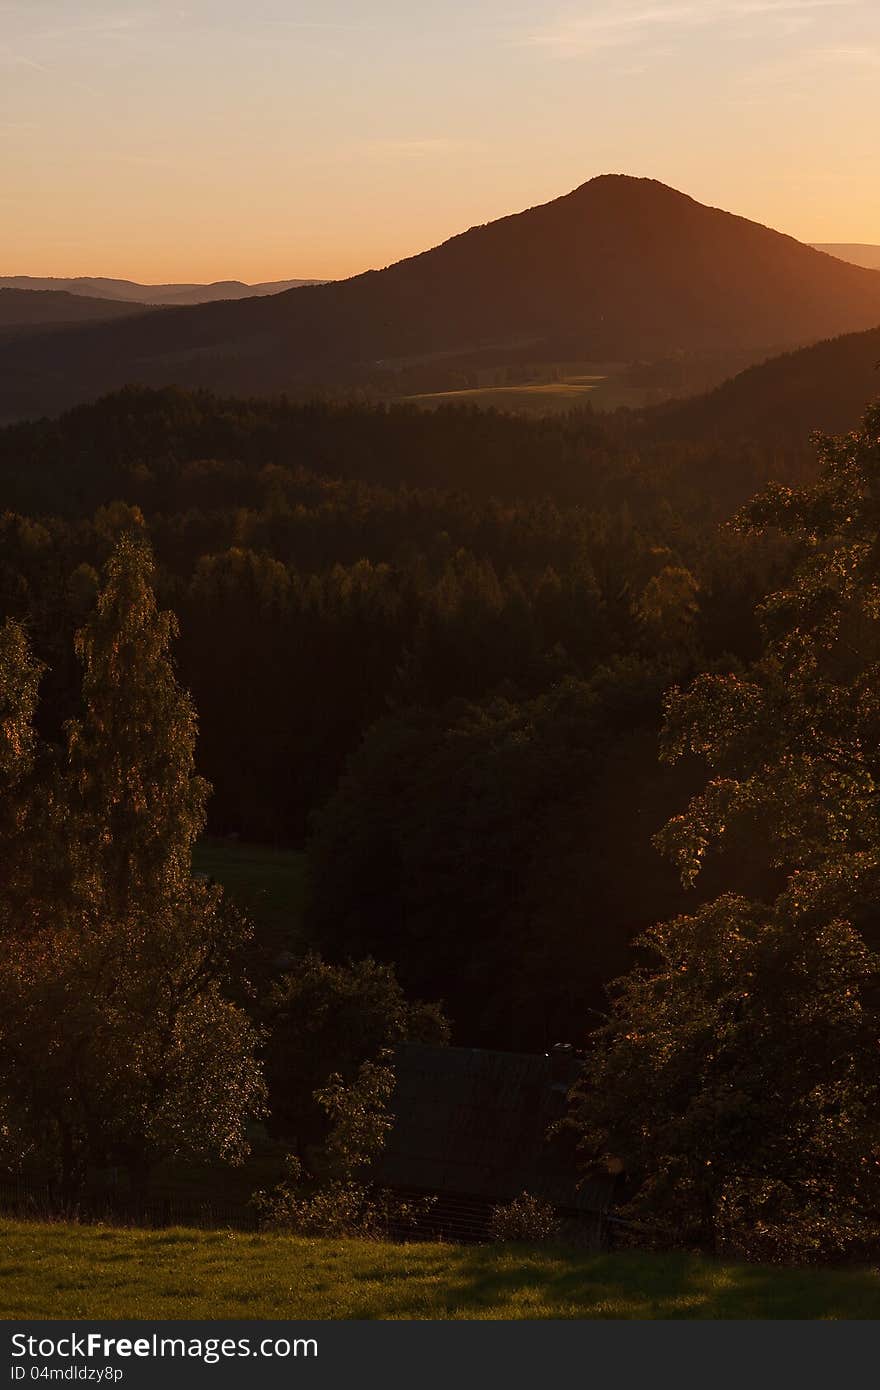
[604,392]
[532,398]
[268,884]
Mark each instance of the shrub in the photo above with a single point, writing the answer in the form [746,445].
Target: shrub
[336,1200]
[526,1218]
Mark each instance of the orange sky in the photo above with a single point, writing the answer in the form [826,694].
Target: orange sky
[213,139]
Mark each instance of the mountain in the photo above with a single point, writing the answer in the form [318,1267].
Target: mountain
[780,402]
[857,253]
[43,308]
[621,268]
[100,287]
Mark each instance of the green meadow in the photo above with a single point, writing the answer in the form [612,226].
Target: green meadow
[268,884]
[68,1271]
[536,398]
[604,392]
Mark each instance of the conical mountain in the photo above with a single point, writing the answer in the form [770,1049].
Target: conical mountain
[620,268]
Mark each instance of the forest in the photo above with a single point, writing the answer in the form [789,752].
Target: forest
[521,690]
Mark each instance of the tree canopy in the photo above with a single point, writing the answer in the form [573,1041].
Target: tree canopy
[736,1078]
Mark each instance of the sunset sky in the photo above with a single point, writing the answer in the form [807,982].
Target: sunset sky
[271,139]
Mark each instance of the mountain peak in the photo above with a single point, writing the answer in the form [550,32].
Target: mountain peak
[628,184]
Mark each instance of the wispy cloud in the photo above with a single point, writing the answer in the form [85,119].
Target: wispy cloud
[621,25]
[796,74]
[813,60]
[18,60]
[12,60]
[54,35]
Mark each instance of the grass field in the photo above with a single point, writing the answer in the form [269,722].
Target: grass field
[61,1271]
[538,398]
[546,397]
[269,884]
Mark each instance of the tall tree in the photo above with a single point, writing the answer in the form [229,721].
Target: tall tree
[26,806]
[117,1042]
[141,805]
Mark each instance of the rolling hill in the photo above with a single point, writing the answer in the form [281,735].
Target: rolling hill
[44,308]
[857,253]
[780,402]
[620,268]
[131,291]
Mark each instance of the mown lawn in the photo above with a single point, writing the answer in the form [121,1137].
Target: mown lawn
[65,1271]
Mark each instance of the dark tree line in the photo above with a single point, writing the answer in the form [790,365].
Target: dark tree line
[338,622]
[325,603]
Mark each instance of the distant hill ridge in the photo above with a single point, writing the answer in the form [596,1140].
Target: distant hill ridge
[100,287]
[857,253]
[20,308]
[620,268]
